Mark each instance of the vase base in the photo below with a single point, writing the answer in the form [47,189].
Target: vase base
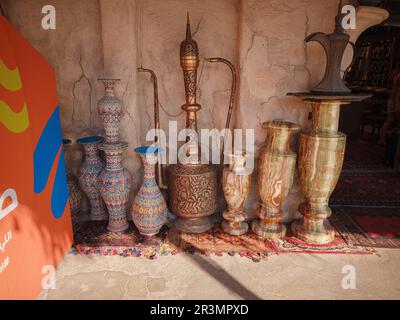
[193,225]
[325,236]
[147,235]
[237,230]
[151,240]
[119,229]
[105,218]
[267,233]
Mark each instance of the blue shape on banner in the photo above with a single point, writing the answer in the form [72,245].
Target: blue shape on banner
[59,195]
[43,160]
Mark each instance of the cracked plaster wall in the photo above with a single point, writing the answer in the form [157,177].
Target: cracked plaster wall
[97,38]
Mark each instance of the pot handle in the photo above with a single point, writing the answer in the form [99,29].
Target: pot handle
[352,61]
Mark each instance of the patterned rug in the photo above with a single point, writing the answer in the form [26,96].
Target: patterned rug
[218,242]
[369,227]
[363,155]
[93,238]
[338,246]
[367,189]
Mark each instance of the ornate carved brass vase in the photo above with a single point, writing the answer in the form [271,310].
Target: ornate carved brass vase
[321,153]
[192,185]
[277,163]
[193,190]
[236,186]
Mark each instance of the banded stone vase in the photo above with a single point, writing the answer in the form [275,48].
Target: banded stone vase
[276,168]
[236,186]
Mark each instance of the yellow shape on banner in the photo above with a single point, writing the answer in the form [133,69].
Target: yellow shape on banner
[9,79]
[16,122]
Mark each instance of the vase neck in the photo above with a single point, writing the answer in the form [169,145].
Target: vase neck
[114,161]
[92,153]
[237,162]
[109,87]
[110,91]
[325,117]
[278,139]
[67,148]
[148,170]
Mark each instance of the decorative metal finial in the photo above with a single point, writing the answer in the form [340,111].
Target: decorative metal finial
[188,30]
[189,56]
[338,19]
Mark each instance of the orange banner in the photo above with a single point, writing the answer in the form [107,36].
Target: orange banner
[35,221]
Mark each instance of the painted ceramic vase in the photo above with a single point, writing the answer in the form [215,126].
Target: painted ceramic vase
[149,210]
[75,195]
[276,167]
[88,176]
[115,184]
[110,111]
[236,186]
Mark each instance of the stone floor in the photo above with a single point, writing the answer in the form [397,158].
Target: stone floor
[184,276]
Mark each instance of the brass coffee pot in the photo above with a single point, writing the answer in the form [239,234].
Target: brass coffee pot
[334,45]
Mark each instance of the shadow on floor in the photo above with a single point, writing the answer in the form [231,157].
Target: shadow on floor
[224,277]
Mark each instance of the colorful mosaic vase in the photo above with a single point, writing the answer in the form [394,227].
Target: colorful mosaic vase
[110,111]
[115,184]
[75,195]
[149,210]
[88,176]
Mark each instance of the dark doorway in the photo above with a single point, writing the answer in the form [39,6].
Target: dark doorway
[368,191]
[373,141]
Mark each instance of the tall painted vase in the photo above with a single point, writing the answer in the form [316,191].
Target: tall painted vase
[115,184]
[88,176]
[149,210]
[110,111]
[276,167]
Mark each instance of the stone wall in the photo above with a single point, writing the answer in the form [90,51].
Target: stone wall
[104,38]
